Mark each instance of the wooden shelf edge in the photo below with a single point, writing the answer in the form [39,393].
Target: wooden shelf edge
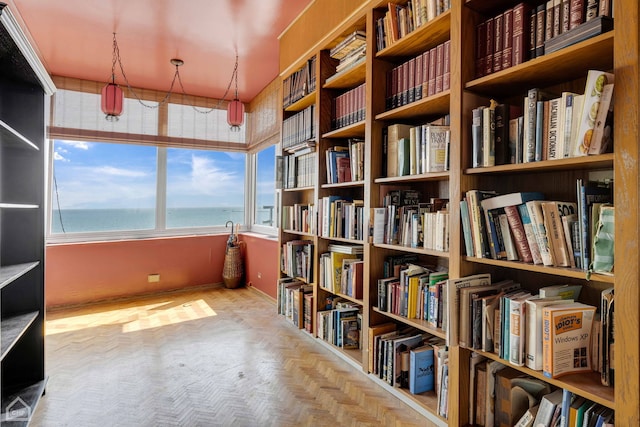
[440,26]
[423,325]
[344,184]
[586,384]
[299,233]
[349,77]
[421,403]
[353,130]
[433,104]
[30,396]
[413,250]
[432,176]
[349,356]
[10,273]
[556,271]
[586,162]
[302,103]
[298,189]
[12,329]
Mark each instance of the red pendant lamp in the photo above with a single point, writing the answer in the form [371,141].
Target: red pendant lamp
[235,109]
[112,96]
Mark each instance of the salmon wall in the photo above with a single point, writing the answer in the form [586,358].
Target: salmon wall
[80,273]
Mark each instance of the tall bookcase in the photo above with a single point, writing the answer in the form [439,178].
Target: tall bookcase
[23,85]
[615,51]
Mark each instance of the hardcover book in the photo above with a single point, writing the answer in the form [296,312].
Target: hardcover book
[421,369]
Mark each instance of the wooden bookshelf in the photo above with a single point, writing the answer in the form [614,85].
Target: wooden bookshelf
[617,51]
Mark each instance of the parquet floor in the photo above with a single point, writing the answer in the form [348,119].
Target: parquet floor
[210,357]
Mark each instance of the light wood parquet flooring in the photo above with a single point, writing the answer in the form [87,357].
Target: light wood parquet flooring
[209,357]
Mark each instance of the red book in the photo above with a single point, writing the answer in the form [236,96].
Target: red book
[519,235]
[446,77]
[343,164]
[489,47]
[507,39]
[432,71]
[439,67]
[404,88]
[521,33]
[577,13]
[481,47]
[411,78]
[498,45]
[425,74]
[417,89]
[565,13]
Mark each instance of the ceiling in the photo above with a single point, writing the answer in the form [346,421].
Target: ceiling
[75,37]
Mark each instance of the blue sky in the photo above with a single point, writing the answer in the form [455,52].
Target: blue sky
[99,175]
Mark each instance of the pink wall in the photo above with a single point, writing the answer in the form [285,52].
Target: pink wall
[87,272]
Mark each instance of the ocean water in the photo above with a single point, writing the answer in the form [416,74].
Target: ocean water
[88,220]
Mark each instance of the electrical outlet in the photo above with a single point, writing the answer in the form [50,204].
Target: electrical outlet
[153,278]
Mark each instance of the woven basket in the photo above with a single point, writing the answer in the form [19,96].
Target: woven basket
[233,269]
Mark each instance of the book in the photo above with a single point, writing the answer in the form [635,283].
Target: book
[552,212]
[477,127]
[564,291]
[395,133]
[607,309]
[547,408]
[517,329]
[596,80]
[566,335]
[602,131]
[529,233]
[453,286]
[534,209]
[374,331]
[421,369]
[533,313]
[528,417]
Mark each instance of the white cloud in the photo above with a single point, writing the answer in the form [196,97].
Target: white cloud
[113,171]
[81,145]
[236,156]
[59,157]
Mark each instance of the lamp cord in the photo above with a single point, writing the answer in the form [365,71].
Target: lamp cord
[176,75]
[55,184]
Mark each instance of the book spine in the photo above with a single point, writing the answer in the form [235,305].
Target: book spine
[507,39]
[446,76]
[540,29]
[591,11]
[565,10]
[552,152]
[488,137]
[548,20]
[481,46]
[439,67]
[519,235]
[530,126]
[501,119]
[577,13]
[476,136]
[540,134]
[520,33]
[489,46]
[498,42]
[557,18]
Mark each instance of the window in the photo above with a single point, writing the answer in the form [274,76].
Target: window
[142,190]
[204,188]
[265,187]
[103,187]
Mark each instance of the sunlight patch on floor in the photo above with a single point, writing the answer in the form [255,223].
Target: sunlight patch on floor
[184,312]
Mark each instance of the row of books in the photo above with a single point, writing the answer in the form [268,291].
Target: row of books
[350,51]
[345,164]
[418,147]
[297,259]
[525,32]
[295,302]
[300,217]
[298,130]
[503,396]
[341,217]
[340,323]
[415,294]
[405,220]
[548,127]
[410,359]
[300,83]
[425,75]
[401,19]
[296,170]
[524,227]
[349,107]
[341,273]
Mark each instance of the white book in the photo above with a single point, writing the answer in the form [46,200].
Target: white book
[534,207]
[596,80]
[533,345]
[517,329]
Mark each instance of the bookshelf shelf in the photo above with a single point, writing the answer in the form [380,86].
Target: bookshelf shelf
[354,357]
[586,385]
[293,190]
[426,36]
[436,176]
[556,271]
[413,250]
[344,184]
[302,103]
[569,63]
[347,297]
[10,273]
[18,206]
[10,136]
[423,325]
[342,239]
[602,161]
[348,78]
[435,105]
[351,131]
[425,403]
[13,328]
[299,233]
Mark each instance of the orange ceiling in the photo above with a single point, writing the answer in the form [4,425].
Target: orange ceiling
[74,39]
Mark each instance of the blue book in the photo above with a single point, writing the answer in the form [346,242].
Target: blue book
[421,375]
[567,397]
[466,228]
